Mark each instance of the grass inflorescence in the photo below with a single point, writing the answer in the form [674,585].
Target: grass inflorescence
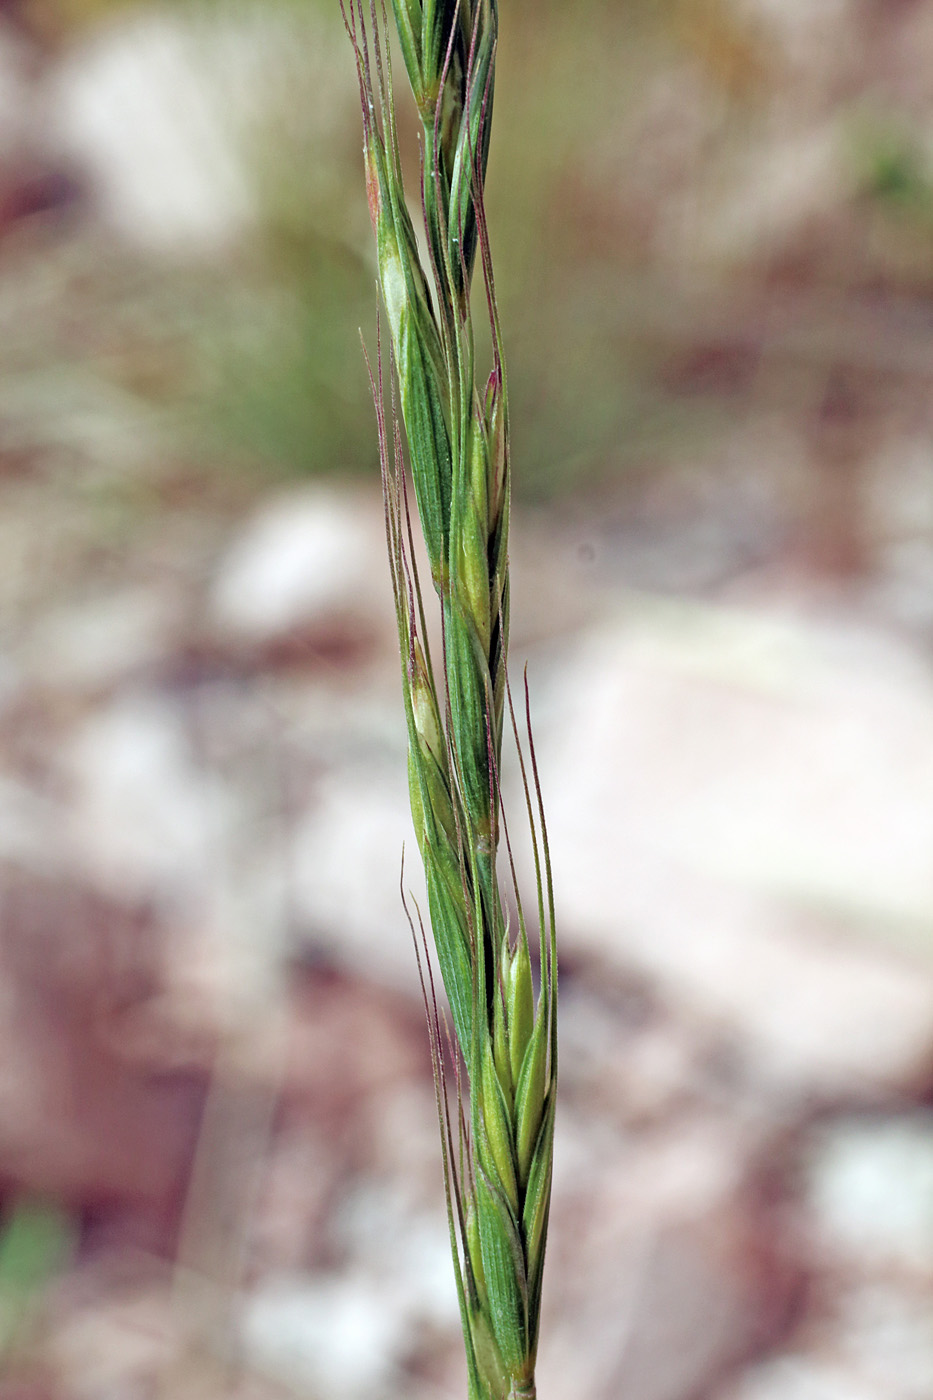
[497,1123]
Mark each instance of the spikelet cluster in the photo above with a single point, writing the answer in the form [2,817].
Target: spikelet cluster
[497,1135]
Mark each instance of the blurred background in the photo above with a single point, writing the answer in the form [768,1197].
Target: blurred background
[713,228]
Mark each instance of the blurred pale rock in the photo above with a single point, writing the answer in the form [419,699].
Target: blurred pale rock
[905,584]
[347,862]
[151,819]
[337,1337]
[869,1189]
[100,642]
[303,557]
[876,1342]
[795,178]
[885,1328]
[811,37]
[132,107]
[167,109]
[740,807]
[405,1246]
[145,817]
[865,1225]
[664,1270]
[127,1341]
[804,1378]
[31,827]
[119,1347]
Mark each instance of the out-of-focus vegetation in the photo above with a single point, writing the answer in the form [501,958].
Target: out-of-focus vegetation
[667,176]
[252,353]
[35,1243]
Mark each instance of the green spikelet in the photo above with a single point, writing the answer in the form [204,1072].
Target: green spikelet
[497,1167]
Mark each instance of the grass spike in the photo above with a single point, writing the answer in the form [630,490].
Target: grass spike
[451,431]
